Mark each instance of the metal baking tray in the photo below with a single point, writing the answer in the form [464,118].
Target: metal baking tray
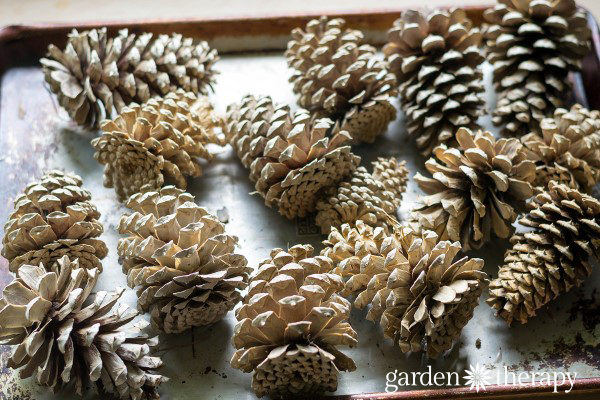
[36,135]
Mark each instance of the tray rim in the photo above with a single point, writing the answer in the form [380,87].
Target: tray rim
[277,23]
[270,17]
[492,392]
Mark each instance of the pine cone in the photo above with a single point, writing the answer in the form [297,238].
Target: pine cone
[182,262]
[568,150]
[96,76]
[392,173]
[290,324]
[437,59]
[533,45]
[553,258]
[347,245]
[52,218]
[249,123]
[364,196]
[160,140]
[293,157]
[417,290]
[475,189]
[62,342]
[338,77]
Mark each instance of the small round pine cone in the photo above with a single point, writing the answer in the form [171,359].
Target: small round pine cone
[553,258]
[294,157]
[290,325]
[338,77]
[95,76]
[52,218]
[249,125]
[567,150]
[437,59]
[475,189]
[392,173]
[156,142]
[180,259]
[419,294]
[347,246]
[63,343]
[533,45]
[369,197]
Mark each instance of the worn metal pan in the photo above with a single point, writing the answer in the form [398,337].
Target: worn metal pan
[36,135]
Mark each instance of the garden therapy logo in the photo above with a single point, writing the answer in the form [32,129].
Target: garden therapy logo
[478,377]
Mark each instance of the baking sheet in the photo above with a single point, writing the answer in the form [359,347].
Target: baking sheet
[35,136]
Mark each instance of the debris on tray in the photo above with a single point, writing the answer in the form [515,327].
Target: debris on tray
[223,215]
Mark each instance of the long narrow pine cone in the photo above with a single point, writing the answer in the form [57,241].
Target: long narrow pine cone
[554,257]
[158,142]
[64,343]
[96,76]
[180,259]
[567,150]
[533,45]
[420,294]
[290,326]
[475,190]
[292,156]
[337,76]
[370,197]
[437,59]
[54,217]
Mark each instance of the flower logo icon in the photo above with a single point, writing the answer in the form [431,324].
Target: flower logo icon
[477,377]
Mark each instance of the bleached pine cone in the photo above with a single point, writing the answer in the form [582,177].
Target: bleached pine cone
[52,218]
[158,142]
[436,57]
[553,258]
[533,45]
[62,342]
[370,197]
[567,150]
[337,76]
[293,157]
[475,189]
[181,261]
[96,76]
[420,294]
[290,325]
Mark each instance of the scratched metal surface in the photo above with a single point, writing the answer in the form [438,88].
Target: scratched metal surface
[35,136]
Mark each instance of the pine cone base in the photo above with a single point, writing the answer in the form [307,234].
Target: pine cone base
[291,370]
